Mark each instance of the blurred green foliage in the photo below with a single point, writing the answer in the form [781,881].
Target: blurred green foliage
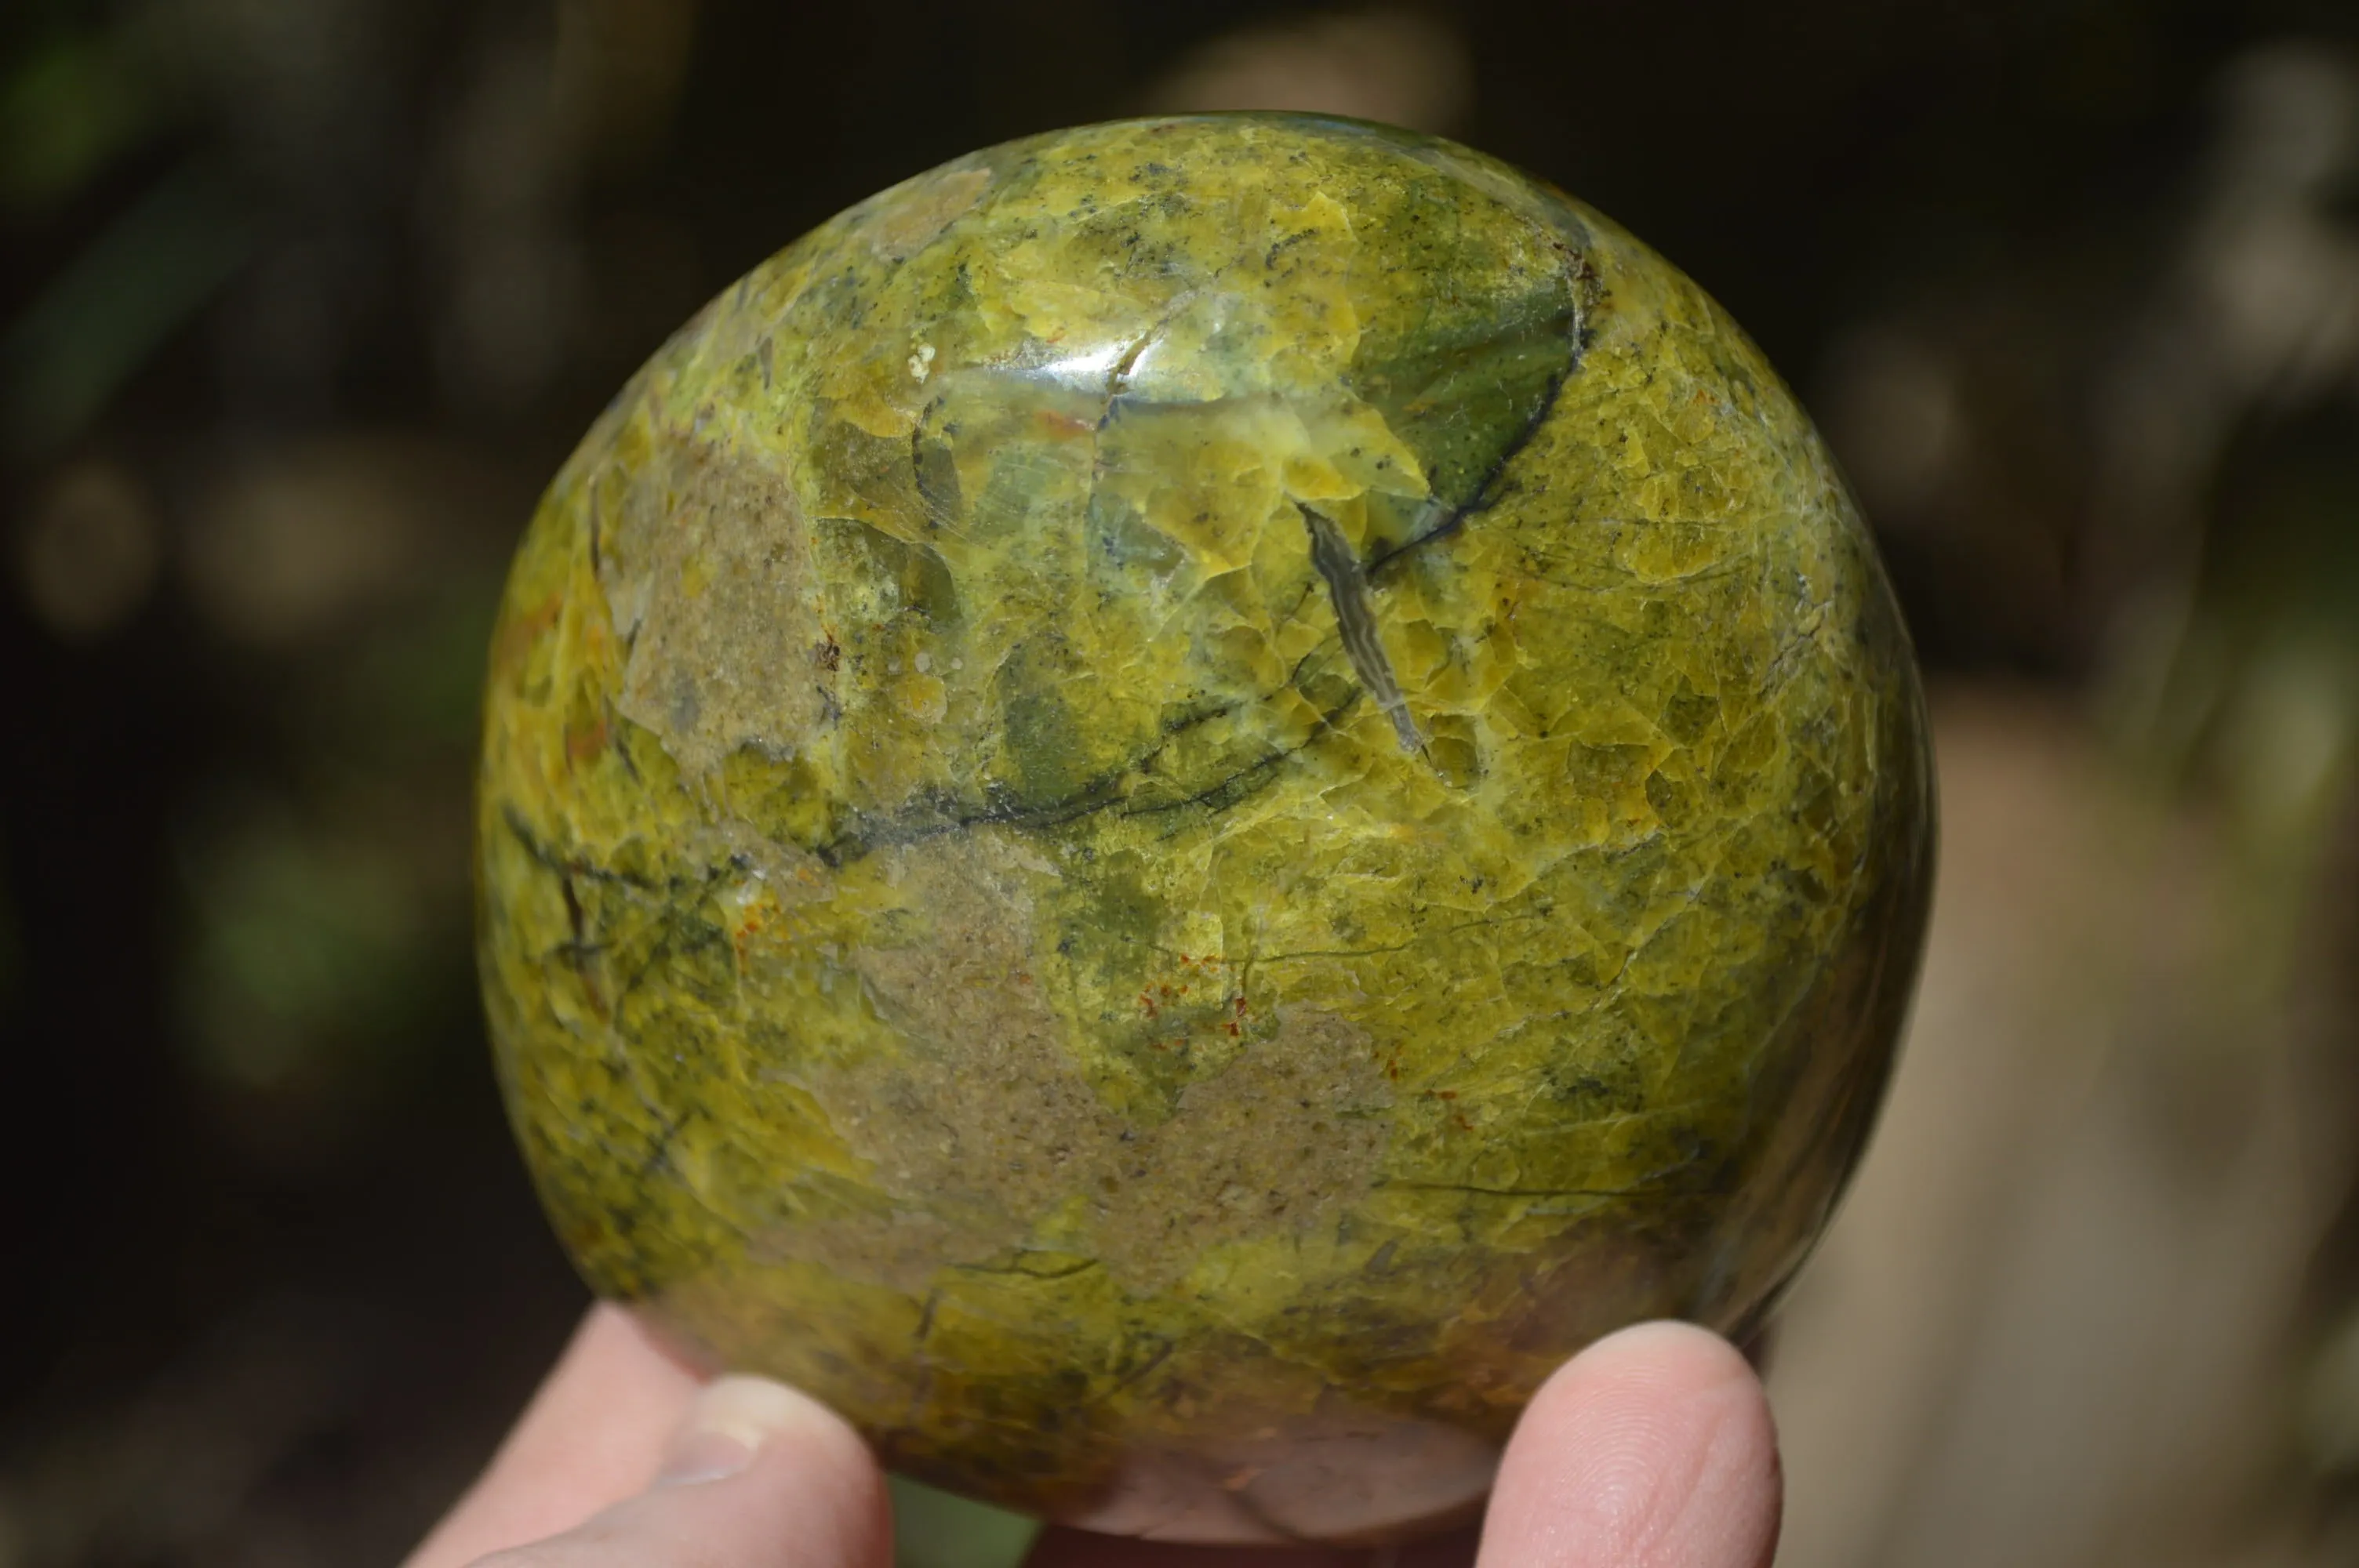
[300,946]
[104,316]
[69,108]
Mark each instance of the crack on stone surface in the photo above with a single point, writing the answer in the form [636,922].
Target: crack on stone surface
[1433,934]
[1016,1272]
[545,856]
[1102,794]
[922,1387]
[1136,1375]
[1481,498]
[1236,785]
[1355,620]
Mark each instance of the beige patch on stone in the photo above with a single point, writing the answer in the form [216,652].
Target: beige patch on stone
[985,1121]
[1280,1139]
[912,217]
[986,1129]
[706,573]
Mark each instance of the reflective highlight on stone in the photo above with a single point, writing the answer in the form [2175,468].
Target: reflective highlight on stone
[1172,805]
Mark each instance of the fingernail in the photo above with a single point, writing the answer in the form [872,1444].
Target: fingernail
[726,1427]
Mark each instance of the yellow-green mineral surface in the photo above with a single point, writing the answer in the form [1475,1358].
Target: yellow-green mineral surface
[1169,807]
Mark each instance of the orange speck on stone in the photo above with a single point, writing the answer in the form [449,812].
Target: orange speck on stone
[581,745]
[1058,424]
[517,635]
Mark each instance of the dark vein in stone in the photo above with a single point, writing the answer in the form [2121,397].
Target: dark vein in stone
[1163,1348]
[1016,1272]
[1118,378]
[922,1388]
[1103,793]
[937,512]
[1393,948]
[621,746]
[549,859]
[1236,785]
[1097,794]
[1483,499]
[581,953]
[1355,617]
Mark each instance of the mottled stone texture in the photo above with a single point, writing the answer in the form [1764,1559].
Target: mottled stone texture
[1169,807]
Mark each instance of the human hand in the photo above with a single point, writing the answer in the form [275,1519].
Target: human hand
[1651,1449]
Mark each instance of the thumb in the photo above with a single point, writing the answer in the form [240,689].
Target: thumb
[757,1477]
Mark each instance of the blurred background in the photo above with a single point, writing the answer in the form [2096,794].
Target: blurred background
[301,300]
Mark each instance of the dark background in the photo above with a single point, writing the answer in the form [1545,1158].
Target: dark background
[301,300]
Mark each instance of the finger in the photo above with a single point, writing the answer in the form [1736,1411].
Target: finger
[757,1477]
[1653,1448]
[593,1434]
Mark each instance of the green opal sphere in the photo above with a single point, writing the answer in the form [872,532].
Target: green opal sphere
[1168,808]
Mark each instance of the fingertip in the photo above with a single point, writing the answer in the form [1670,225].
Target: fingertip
[758,1474]
[749,1413]
[592,1433]
[1655,1445]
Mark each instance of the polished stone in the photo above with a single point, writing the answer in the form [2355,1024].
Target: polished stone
[1172,805]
